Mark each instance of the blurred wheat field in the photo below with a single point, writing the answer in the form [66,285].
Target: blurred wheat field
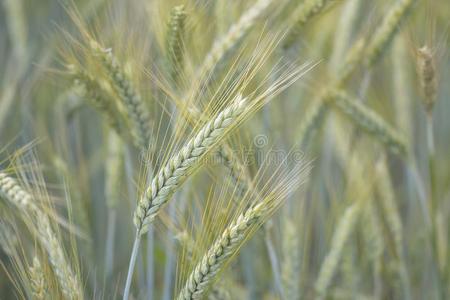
[200,149]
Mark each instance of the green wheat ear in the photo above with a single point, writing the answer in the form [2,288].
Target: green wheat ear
[371,122]
[129,95]
[180,165]
[175,44]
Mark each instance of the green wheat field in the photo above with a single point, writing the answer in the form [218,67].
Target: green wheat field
[225,149]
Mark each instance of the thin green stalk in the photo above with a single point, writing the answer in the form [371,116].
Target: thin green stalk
[134,253]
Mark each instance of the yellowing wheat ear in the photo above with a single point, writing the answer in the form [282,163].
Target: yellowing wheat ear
[426,67]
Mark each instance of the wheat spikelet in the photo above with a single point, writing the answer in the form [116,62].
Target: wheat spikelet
[370,122]
[428,80]
[38,285]
[387,30]
[175,35]
[130,97]
[174,172]
[13,192]
[305,11]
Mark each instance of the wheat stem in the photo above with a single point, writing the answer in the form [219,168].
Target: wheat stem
[134,253]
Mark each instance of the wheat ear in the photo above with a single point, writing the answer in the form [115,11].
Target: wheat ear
[38,285]
[291,260]
[13,192]
[175,36]
[222,249]
[130,97]
[369,121]
[387,30]
[91,90]
[390,210]
[238,171]
[311,122]
[175,171]
[222,45]
[426,67]
[305,11]
[346,28]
